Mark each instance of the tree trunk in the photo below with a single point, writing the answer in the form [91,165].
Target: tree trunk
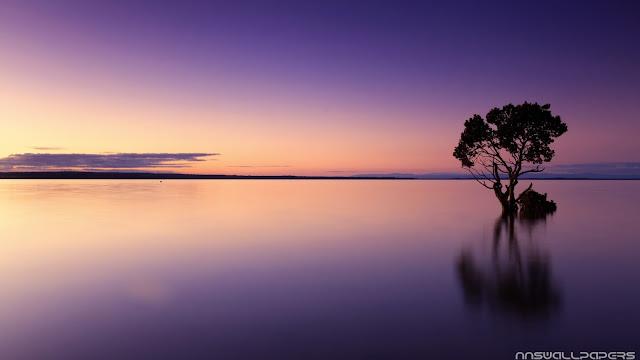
[507,198]
[503,197]
[509,208]
[513,206]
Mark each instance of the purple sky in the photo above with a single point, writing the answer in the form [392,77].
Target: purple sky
[314,86]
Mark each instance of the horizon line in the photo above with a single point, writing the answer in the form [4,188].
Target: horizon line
[123,175]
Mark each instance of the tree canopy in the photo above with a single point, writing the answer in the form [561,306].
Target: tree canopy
[511,137]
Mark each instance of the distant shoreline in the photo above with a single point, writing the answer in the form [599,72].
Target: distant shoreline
[82,175]
[70,175]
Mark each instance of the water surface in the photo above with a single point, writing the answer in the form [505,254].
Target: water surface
[325,269]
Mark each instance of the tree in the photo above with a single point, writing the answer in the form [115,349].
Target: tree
[497,149]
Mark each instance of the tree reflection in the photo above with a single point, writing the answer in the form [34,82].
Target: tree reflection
[515,281]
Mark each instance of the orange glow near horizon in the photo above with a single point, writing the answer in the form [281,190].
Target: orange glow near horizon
[269,139]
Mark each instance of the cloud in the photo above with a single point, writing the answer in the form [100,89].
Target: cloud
[600,170]
[30,162]
[259,166]
[47,148]
[604,168]
[611,170]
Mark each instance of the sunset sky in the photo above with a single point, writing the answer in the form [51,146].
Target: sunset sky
[306,87]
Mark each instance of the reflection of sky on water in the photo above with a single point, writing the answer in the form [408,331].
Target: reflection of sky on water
[300,269]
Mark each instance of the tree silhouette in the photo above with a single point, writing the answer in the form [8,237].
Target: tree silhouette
[511,137]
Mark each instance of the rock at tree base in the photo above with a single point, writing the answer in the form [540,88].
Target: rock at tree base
[535,205]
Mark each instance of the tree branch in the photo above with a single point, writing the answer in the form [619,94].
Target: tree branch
[536,170]
[504,163]
[480,181]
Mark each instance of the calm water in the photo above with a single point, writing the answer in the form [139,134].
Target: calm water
[277,269]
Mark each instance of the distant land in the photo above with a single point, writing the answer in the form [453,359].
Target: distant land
[391,176]
[530,176]
[161,176]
